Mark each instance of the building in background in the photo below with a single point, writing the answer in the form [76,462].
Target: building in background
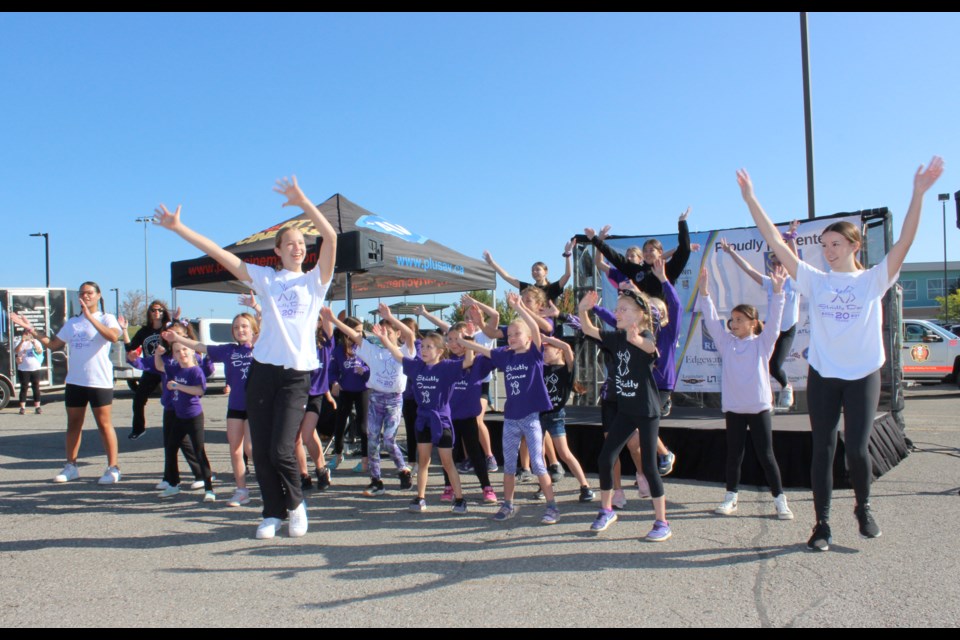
[922,283]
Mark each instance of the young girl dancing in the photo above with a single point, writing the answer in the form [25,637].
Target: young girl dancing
[539,273]
[638,403]
[522,364]
[846,345]
[285,353]
[349,375]
[745,386]
[319,401]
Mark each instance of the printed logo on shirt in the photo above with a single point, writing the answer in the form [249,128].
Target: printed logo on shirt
[288,301]
[82,336]
[552,381]
[842,308]
[150,344]
[626,388]
[387,377]
[243,361]
[844,295]
[515,388]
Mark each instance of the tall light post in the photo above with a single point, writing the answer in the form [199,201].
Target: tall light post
[943,197]
[807,113]
[46,244]
[116,293]
[146,273]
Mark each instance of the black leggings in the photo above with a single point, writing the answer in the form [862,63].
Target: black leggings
[346,401]
[31,378]
[185,445]
[859,400]
[761,432]
[620,432]
[467,431]
[185,429]
[409,420]
[147,385]
[780,352]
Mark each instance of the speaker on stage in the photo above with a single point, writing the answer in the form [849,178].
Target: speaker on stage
[358,251]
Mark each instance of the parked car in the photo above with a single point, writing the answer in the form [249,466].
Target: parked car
[930,352]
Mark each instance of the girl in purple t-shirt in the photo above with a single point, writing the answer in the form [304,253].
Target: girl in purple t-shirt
[522,364]
[318,397]
[188,384]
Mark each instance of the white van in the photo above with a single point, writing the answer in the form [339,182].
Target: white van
[930,352]
[211,331]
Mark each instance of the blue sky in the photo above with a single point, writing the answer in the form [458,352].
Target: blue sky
[501,132]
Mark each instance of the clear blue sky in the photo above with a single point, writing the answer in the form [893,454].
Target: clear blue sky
[501,132]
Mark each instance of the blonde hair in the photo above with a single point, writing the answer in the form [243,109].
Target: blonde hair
[661,308]
[254,325]
[537,296]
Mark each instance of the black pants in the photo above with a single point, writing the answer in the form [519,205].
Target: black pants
[185,429]
[148,384]
[409,422]
[620,432]
[761,432]
[859,400]
[276,401]
[780,352]
[347,401]
[186,446]
[31,378]
[467,431]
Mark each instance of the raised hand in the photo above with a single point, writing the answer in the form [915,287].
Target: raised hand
[590,232]
[466,301]
[567,248]
[21,321]
[513,300]
[778,276]
[86,311]
[160,350]
[488,258]
[589,300]
[163,218]
[123,323]
[247,300]
[704,282]
[794,225]
[925,178]
[176,314]
[326,314]
[605,231]
[746,185]
[170,336]
[725,246]
[472,314]
[683,216]
[420,311]
[695,247]
[291,191]
[660,269]
[380,332]
[385,312]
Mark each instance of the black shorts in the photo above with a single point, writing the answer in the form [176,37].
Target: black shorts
[485,392]
[77,397]
[236,414]
[315,404]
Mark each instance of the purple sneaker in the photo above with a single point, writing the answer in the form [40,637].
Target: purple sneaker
[660,532]
[604,520]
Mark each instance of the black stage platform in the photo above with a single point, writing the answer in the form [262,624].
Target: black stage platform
[698,438]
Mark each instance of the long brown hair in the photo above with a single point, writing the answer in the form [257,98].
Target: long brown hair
[851,233]
[752,314]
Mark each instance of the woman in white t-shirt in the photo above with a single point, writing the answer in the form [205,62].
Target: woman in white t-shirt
[846,345]
[29,357]
[88,337]
[286,351]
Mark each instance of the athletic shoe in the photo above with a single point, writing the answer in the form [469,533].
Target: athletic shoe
[23,411]
[196,484]
[550,516]
[786,399]
[375,488]
[666,407]
[163,484]
[643,487]
[447,495]
[240,497]
[586,494]
[110,476]
[460,506]
[417,505]
[336,462]
[619,499]
[268,528]
[136,434]
[868,526]
[306,483]
[728,506]
[556,473]
[492,464]
[505,513]
[783,511]
[70,472]
[209,496]
[604,520]
[489,496]
[38,411]
[297,524]
[169,492]
[359,468]
[524,475]
[465,467]
[665,463]
[323,479]
[821,538]
[406,479]
[660,532]
[538,495]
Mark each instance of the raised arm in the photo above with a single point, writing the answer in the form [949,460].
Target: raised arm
[352,334]
[568,262]
[615,258]
[503,274]
[387,343]
[162,217]
[326,321]
[588,302]
[565,349]
[705,305]
[250,300]
[516,303]
[108,333]
[158,359]
[407,337]
[491,327]
[125,334]
[54,343]
[740,262]
[472,346]
[767,229]
[681,255]
[172,338]
[328,248]
[432,319]
[922,181]
[771,327]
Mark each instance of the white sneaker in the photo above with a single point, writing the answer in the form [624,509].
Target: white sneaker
[783,511]
[240,497]
[70,472]
[169,492]
[209,496]
[643,486]
[786,399]
[728,506]
[163,484]
[297,525]
[268,528]
[619,499]
[110,476]
[196,484]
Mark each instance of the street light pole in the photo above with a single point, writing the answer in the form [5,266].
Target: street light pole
[46,245]
[807,113]
[943,197]
[146,273]
[116,293]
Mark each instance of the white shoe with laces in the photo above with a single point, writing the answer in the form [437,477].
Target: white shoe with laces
[783,511]
[70,472]
[297,525]
[268,528]
[196,484]
[728,506]
[110,476]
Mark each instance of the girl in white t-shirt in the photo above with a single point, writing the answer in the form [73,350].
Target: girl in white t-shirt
[846,345]
[285,353]
[88,337]
[29,357]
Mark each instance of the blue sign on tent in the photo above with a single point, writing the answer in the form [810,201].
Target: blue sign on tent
[376,223]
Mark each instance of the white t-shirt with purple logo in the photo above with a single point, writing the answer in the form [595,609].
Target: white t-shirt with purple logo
[290,308]
[89,352]
[846,316]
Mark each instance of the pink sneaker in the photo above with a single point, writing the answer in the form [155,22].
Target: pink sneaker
[643,486]
[489,496]
[447,495]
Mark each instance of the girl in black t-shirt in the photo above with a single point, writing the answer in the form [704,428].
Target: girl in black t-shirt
[538,272]
[638,402]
